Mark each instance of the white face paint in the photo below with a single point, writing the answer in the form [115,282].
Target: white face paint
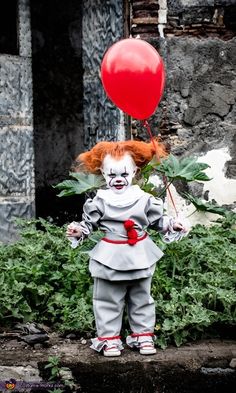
[118,173]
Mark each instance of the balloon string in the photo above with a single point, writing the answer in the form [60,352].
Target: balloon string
[170,195]
[148,128]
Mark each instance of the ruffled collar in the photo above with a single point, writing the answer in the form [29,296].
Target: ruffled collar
[131,195]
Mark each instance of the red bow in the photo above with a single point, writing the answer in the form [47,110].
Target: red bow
[131,232]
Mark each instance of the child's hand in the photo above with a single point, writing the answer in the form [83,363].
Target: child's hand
[73,230]
[177,226]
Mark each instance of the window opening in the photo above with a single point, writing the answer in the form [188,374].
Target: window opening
[8,27]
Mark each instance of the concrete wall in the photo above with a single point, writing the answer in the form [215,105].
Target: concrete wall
[103,25]
[197,113]
[16,130]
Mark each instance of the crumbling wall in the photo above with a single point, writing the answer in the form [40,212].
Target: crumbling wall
[16,129]
[103,25]
[197,114]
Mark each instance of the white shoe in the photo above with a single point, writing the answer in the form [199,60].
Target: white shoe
[147,348]
[113,350]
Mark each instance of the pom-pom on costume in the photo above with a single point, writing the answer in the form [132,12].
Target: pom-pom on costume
[123,261]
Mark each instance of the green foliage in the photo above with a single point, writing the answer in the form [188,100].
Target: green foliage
[194,285]
[186,169]
[43,279]
[54,366]
[171,168]
[58,373]
[211,208]
[83,183]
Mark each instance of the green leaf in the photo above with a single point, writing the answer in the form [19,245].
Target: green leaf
[209,207]
[161,342]
[83,182]
[48,366]
[178,338]
[187,169]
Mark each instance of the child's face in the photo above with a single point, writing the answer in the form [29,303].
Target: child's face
[118,173]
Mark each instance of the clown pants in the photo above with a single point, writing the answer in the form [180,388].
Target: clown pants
[109,300]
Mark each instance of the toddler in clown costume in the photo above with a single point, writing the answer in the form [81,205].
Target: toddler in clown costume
[123,261]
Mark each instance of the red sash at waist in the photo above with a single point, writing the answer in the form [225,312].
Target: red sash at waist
[131,242]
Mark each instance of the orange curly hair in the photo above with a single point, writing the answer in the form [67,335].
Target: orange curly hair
[141,152]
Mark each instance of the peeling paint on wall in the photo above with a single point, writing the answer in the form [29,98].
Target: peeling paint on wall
[219,189]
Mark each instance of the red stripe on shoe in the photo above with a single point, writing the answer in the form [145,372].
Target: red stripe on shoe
[113,347]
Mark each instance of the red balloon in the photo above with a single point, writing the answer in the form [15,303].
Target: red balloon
[133,77]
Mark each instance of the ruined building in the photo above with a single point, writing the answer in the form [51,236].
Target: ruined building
[52,104]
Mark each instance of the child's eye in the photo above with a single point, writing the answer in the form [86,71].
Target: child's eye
[125,174]
[112,175]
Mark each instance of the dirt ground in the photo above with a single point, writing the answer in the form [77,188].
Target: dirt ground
[211,353]
[203,366]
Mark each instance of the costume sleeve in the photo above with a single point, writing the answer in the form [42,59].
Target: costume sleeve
[92,212]
[158,220]
[162,222]
[155,213]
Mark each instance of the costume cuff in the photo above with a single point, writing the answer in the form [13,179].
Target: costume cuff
[134,340]
[85,232]
[171,235]
[98,344]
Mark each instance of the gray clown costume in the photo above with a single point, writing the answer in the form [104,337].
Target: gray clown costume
[122,271]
